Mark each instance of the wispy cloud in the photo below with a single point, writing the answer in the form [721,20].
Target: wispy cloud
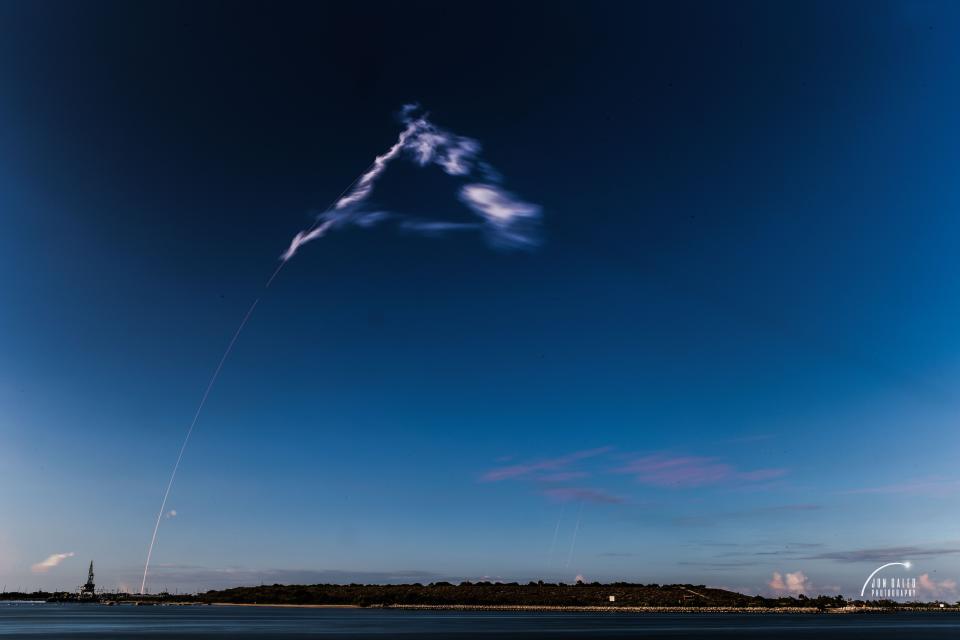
[664,470]
[50,562]
[534,468]
[758,554]
[759,550]
[507,221]
[701,519]
[563,476]
[575,494]
[885,554]
[435,227]
[510,220]
[718,565]
[759,437]
[930,487]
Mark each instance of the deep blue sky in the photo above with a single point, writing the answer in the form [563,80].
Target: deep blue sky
[733,354]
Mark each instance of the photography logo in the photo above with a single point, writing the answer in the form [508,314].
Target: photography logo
[887,588]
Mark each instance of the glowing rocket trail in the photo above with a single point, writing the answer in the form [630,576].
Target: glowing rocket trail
[193,423]
[206,394]
[506,221]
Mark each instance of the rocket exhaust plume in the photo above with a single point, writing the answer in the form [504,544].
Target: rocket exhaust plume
[506,222]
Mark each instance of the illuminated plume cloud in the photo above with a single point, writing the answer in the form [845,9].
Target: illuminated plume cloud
[304,237]
[171,514]
[507,221]
[510,220]
[50,562]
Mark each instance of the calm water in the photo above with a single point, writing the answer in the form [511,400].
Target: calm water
[38,621]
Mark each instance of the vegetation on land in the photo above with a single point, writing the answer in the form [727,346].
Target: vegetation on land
[488,594]
[509,594]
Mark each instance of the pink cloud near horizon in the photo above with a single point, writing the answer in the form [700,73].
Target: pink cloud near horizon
[563,476]
[929,486]
[571,494]
[529,469]
[940,590]
[789,583]
[691,471]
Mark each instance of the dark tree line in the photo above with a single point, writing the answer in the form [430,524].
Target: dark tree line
[506,594]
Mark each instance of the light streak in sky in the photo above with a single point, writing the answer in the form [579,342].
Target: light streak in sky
[203,401]
[183,447]
[507,222]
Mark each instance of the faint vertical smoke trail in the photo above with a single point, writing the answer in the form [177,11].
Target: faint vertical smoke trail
[573,541]
[556,532]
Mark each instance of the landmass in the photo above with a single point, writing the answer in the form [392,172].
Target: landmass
[533,596]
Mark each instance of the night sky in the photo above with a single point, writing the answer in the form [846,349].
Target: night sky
[731,352]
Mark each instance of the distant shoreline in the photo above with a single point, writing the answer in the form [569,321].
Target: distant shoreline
[546,597]
[287,606]
[596,609]
[533,608]
[594,598]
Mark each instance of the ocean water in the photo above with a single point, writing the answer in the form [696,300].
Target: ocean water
[38,621]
